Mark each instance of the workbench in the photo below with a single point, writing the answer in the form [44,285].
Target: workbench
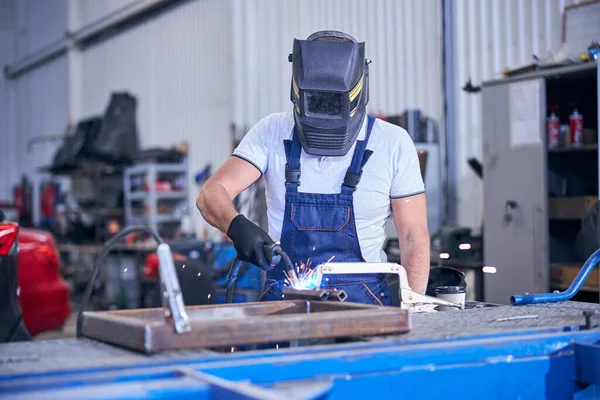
[534,351]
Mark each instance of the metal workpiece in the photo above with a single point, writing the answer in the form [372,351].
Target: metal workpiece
[243,324]
[409,299]
[174,307]
[315,294]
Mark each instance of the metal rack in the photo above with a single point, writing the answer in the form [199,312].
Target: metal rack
[143,201]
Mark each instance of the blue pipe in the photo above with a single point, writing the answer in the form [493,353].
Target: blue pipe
[560,296]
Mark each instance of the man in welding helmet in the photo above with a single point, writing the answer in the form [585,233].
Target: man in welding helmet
[333,177]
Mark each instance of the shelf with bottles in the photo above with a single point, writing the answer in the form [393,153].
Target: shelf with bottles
[572,112]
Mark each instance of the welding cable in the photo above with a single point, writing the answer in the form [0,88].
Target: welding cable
[232,278]
[273,253]
[560,296]
[286,260]
[103,253]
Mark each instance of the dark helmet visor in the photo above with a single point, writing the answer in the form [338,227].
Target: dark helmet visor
[327,105]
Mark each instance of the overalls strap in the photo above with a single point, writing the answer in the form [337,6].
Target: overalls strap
[293,149]
[359,159]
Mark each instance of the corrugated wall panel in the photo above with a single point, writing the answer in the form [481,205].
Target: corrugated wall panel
[178,65]
[403,40]
[40,99]
[39,24]
[7,136]
[491,36]
[93,10]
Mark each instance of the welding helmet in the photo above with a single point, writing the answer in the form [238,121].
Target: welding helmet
[330,91]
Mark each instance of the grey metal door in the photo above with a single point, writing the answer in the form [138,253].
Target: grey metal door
[515,194]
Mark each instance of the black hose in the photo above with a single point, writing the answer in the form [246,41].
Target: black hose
[271,253]
[232,278]
[105,250]
[286,260]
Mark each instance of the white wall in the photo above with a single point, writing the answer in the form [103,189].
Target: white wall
[491,36]
[39,24]
[403,38]
[93,10]
[7,135]
[35,103]
[179,68]
[208,63]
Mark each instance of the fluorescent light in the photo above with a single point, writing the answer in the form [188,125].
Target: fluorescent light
[489,270]
[444,256]
[465,246]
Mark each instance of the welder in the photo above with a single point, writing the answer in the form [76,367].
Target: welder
[333,177]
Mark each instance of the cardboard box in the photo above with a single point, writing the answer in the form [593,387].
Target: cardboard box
[561,276]
[575,207]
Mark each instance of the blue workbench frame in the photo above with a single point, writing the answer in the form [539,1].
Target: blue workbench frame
[546,364]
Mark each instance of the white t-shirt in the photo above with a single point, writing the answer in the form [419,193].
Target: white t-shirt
[391,172]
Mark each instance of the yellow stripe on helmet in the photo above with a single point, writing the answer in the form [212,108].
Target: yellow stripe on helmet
[356,91]
[296,90]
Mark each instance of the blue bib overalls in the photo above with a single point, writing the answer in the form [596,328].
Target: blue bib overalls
[319,226]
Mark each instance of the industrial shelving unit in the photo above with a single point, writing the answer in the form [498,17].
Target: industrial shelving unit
[535,196]
[160,208]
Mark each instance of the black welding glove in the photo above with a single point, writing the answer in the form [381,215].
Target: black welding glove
[249,241]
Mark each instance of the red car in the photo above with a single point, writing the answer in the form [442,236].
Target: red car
[30,283]
[44,293]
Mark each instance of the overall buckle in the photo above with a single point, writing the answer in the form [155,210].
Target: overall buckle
[292,175]
[351,179]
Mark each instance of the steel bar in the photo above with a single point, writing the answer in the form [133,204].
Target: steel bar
[317,294]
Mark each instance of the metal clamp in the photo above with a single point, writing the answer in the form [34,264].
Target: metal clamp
[171,291]
[409,299]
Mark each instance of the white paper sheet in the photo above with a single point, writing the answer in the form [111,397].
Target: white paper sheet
[525,113]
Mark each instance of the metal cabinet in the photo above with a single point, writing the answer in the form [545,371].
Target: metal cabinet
[516,189]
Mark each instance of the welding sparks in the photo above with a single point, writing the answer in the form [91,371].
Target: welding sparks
[277,346]
[307,277]
[232,349]
[199,273]
[209,295]
[125,270]
[183,266]
[314,247]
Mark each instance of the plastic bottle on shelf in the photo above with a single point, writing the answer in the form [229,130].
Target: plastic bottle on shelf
[553,129]
[576,125]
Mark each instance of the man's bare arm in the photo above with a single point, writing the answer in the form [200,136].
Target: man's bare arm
[410,218]
[215,201]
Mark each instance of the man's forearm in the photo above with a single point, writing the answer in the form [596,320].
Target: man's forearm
[216,207]
[414,255]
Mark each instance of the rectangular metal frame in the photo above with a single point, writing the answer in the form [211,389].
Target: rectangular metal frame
[243,324]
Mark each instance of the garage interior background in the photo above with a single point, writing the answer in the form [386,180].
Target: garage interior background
[197,68]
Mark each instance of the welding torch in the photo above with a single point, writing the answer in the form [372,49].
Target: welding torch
[273,254]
